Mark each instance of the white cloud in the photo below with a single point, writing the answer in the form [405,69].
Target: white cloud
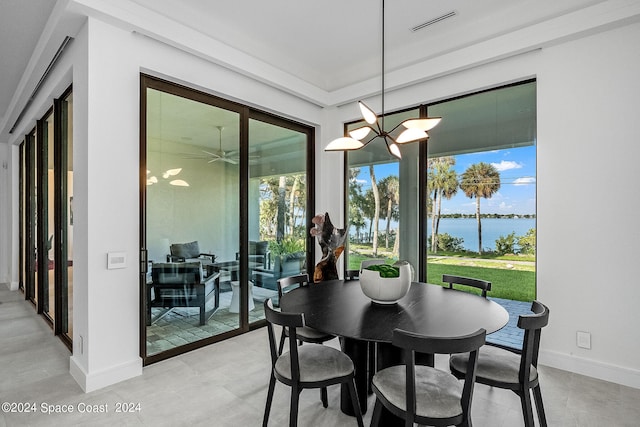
[525,180]
[506,165]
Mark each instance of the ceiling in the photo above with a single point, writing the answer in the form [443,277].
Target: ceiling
[334,43]
[329,45]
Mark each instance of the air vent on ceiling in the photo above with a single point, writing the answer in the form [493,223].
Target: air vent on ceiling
[434,20]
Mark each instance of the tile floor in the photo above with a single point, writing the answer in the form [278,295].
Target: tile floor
[225,384]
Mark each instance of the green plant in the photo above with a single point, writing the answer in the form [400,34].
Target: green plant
[447,242]
[527,242]
[506,245]
[385,270]
[286,246]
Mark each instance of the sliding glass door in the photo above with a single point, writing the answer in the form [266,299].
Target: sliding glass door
[46,261]
[279,183]
[46,218]
[63,215]
[191,217]
[31,217]
[223,201]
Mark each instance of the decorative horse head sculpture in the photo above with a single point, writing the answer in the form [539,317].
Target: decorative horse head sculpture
[331,242]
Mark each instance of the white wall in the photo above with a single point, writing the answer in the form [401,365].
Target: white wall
[6,218]
[588,232]
[105,210]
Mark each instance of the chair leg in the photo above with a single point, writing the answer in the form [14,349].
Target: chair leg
[527,410]
[281,346]
[267,408]
[324,397]
[377,412]
[371,366]
[293,411]
[354,401]
[537,395]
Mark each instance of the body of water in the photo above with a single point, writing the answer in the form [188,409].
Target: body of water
[492,229]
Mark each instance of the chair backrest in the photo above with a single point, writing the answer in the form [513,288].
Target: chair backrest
[532,325]
[351,274]
[185,250]
[467,281]
[286,284]
[290,321]
[411,343]
[176,273]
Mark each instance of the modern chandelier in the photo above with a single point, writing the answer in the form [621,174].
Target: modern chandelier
[414,129]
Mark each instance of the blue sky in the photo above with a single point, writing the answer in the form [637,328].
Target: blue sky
[517,194]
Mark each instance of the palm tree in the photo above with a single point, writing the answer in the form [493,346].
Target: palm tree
[441,181]
[390,189]
[480,180]
[293,193]
[356,202]
[376,215]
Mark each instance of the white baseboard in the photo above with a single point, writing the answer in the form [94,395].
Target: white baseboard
[106,377]
[12,286]
[591,368]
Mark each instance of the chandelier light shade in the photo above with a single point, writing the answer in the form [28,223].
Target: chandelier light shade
[414,129]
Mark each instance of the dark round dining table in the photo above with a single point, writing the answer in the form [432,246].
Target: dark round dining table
[340,308]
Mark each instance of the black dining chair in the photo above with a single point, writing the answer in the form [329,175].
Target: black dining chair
[508,369]
[351,274]
[467,281]
[307,366]
[304,333]
[426,395]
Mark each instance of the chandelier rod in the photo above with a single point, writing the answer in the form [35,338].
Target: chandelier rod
[382,66]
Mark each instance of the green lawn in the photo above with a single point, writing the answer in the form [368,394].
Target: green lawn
[516,282]
[508,284]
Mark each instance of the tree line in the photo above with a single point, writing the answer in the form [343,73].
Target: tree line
[487,215]
[480,180]
[282,201]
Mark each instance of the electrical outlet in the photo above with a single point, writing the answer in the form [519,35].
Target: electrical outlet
[583,340]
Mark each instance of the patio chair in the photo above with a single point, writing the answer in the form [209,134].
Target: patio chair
[181,252]
[426,395]
[502,368]
[467,281]
[308,366]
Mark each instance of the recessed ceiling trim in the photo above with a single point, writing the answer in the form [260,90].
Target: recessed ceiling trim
[434,20]
[57,55]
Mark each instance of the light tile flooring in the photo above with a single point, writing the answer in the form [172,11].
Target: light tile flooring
[225,384]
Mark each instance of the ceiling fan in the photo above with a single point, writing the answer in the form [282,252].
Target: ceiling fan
[230,157]
[224,156]
[219,155]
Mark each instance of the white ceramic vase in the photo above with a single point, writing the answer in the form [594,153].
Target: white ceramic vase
[386,290]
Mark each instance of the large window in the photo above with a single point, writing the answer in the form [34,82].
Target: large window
[475,179]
